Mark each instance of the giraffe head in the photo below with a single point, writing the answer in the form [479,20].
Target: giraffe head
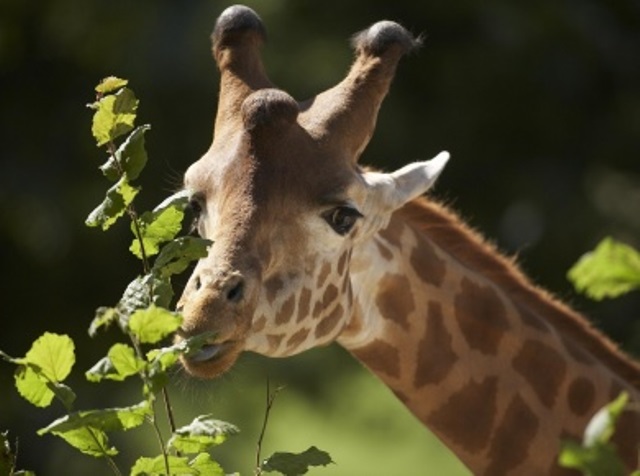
[280,195]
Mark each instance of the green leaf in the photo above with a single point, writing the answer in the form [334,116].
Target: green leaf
[103,369]
[597,460]
[156,228]
[110,84]
[161,360]
[32,387]
[292,464]
[121,362]
[53,355]
[610,270]
[602,425]
[125,360]
[104,317]
[118,198]
[201,434]
[205,465]
[40,371]
[153,324]
[141,293]
[89,441]
[63,393]
[178,200]
[596,456]
[115,115]
[176,256]
[109,419]
[166,357]
[178,465]
[130,158]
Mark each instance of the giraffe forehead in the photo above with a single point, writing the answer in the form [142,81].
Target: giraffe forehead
[282,175]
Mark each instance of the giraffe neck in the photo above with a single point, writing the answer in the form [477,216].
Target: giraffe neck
[498,370]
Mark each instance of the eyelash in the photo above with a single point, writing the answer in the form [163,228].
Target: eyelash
[195,207]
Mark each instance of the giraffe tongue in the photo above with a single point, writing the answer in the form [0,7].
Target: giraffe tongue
[207,352]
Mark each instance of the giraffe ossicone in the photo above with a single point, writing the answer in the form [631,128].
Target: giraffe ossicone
[310,248]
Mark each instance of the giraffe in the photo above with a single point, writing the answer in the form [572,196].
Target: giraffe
[309,247]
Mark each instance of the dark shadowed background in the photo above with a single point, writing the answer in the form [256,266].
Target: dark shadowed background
[538,103]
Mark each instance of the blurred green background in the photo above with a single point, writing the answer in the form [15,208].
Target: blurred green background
[539,104]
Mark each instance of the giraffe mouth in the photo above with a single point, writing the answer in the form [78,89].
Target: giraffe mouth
[212,359]
[206,353]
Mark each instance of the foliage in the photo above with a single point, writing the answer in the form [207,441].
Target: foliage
[610,270]
[142,314]
[290,464]
[596,455]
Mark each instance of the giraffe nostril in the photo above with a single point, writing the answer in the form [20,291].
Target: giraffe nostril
[197,283]
[236,293]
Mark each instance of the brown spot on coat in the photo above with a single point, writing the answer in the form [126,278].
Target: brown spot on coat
[317,309]
[466,419]
[329,296]
[324,273]
[427,265]
[513,436]
[298,338]
[259,324]
[481,315]
[342,262]
[380,357]
[395,300]
[435,352]
[543,368]
[581,396]
[393,232]
[273,285]
[384,251]
[329,323]
[286,311]
[274,340]
[304,304]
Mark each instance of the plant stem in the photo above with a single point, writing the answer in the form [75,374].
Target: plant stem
[161,441]
[169,410]
[271,397]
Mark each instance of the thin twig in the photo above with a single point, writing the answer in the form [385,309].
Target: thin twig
[271,397]
[165,456]
[169,410]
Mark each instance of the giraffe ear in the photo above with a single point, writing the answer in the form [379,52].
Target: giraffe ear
[394,189]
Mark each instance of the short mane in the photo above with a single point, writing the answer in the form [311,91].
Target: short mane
[442,226]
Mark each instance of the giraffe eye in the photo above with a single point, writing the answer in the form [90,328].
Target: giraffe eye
[342,219]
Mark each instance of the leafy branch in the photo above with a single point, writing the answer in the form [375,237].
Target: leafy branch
[142,313]
[145,320]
